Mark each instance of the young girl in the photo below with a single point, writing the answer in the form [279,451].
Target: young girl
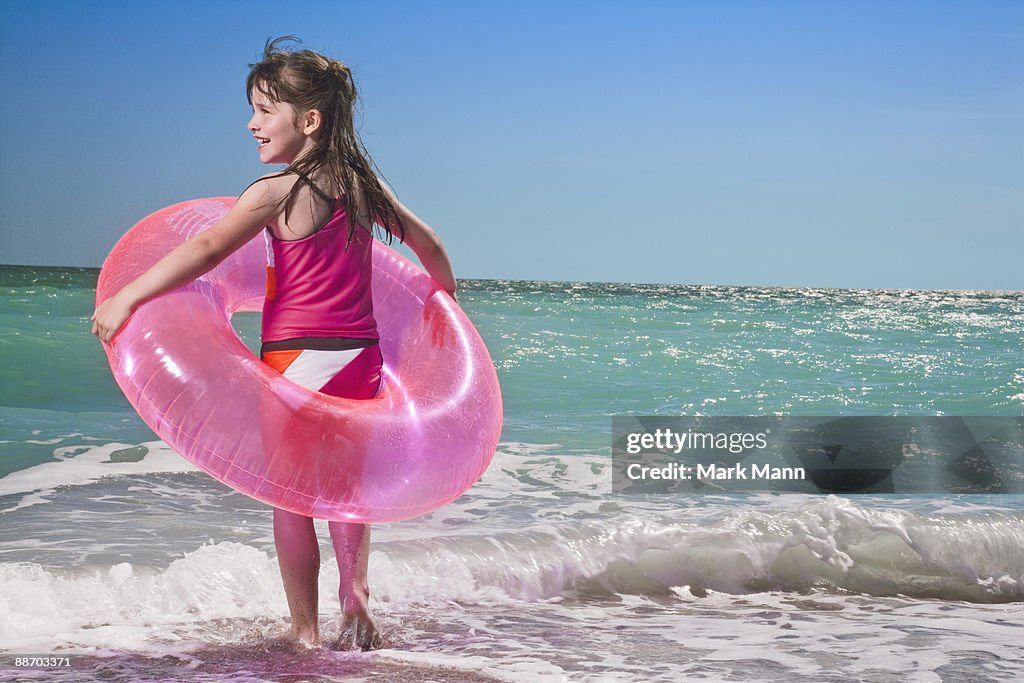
[318,324]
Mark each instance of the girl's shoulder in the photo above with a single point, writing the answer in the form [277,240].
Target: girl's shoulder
[272,187]
[300,206]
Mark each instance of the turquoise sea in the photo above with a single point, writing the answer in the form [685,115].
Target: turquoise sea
[117,553]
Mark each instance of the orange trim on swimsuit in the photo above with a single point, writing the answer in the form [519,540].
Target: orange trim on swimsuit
[280,360]
[271,284]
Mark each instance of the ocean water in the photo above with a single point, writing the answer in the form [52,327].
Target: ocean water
[118,554]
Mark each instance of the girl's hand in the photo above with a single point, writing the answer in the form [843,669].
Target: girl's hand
[243,221]
[110,317]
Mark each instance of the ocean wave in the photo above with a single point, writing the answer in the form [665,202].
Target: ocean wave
[542,526]
[816,554]
[830,543]
[79,465]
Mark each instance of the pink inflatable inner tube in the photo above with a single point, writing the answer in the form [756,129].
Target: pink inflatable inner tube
[425,439]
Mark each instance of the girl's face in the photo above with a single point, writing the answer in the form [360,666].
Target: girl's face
[276,127]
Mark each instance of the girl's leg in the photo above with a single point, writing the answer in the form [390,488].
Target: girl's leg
[358,376]
[352,549]
[298,554]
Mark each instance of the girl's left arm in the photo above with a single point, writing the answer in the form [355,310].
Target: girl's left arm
[188,261]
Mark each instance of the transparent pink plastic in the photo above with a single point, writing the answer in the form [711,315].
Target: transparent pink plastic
[424,440]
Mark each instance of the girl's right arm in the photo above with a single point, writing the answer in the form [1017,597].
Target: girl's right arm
[426,244]
[200,254]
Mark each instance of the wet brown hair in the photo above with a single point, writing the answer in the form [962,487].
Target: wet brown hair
[307,80]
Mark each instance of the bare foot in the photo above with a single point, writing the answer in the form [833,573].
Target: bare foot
[305,637]
[292,643]
[357,626]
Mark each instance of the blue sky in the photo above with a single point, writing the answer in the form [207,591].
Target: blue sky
[842,144]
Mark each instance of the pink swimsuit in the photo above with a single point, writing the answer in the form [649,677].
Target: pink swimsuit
[318,324]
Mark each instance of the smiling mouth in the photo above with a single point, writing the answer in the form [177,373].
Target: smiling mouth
[262,141]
